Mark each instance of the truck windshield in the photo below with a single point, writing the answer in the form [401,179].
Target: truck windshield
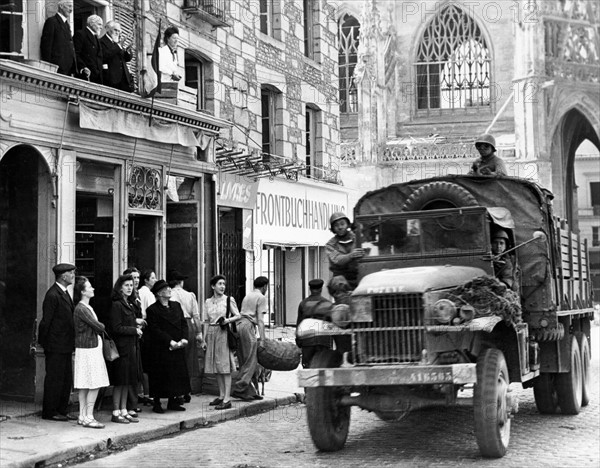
[423,233]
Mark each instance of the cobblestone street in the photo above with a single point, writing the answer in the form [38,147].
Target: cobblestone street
[437,437]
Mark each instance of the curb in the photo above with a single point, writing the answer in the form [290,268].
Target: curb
[59,455]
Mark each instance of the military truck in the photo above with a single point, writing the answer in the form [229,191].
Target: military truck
[429,324]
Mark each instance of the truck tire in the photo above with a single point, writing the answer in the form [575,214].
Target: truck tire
[544,391]
[328,422]
[584,350]
[492,404]
[438,195]
[569,384]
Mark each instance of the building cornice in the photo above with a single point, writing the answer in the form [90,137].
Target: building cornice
[67,87]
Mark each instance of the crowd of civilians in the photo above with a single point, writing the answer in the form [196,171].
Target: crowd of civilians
[100,58]
[157,330]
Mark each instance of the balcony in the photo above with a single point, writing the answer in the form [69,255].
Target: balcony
[211,11]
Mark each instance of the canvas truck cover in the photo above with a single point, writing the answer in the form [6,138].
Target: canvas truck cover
[529,205]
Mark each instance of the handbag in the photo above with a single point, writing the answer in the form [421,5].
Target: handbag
[109,348]
[232,334]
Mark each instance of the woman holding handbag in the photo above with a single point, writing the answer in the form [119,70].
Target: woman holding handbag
[219,358]
[89,369]
[125,332]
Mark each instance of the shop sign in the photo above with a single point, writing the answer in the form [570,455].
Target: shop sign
[288,211]
[236,191]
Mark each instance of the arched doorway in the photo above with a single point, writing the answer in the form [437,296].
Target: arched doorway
[24,184]
[572,130]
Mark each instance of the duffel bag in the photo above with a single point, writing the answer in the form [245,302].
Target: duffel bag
[278,355]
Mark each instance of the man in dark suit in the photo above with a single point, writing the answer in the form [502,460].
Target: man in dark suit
[115,56]
[57,336]
[89,51]
[57,43]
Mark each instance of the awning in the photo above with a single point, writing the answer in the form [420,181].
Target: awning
[287,245]
[115,120]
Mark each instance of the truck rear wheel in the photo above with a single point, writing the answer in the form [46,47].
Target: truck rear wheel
[544,391]
[569,384]
[492,404]
[584,349]
[328,422]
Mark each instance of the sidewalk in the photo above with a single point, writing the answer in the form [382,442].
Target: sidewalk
[26,440]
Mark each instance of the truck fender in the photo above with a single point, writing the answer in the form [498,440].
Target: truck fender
[511,339]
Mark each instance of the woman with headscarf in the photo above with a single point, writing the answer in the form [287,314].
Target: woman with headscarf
[167,338]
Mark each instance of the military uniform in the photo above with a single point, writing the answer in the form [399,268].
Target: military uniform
[314,306]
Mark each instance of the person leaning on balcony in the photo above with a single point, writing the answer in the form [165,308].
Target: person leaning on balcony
[57,43]
[115,57]
[89,51]
[341,250]
[167,56]
[489,163]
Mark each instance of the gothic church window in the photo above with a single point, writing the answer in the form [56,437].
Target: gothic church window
[453,63]
[348,34]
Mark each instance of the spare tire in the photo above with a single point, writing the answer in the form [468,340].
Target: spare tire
[439,195]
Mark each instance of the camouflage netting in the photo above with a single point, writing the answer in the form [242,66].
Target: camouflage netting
[489,296]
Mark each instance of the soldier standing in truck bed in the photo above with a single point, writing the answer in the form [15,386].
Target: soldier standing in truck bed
[341,250]
[489,162]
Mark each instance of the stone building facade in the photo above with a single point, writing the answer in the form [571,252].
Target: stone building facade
[432,75]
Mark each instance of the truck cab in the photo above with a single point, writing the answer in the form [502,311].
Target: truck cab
[429,318]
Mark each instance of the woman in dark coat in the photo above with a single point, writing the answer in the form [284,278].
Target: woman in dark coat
[125,332]
[166,334]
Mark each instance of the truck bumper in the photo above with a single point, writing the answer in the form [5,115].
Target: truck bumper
[387,375]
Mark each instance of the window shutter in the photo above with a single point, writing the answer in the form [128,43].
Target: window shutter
[125,15]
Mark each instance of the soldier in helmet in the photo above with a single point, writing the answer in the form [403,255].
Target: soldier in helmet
[314,306]
[503,266]
[341,250]
[489,163]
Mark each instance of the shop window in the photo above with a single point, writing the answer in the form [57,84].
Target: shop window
[270,119]
[11,28]
[348,33]
[309,31]
[453,63]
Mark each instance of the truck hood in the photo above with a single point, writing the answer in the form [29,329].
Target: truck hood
[416,279]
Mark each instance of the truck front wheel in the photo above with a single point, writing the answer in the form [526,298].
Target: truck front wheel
[569,384]
[328,421]
[492,404]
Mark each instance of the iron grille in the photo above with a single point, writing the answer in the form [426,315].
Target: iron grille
[396,333]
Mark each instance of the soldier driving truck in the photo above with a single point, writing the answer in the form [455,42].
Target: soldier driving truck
[469,286]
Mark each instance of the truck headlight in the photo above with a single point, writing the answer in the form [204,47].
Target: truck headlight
[361,309]
[444,311]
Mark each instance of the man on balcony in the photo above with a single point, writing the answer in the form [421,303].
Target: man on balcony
[89,51]
[57,44]
[115,56]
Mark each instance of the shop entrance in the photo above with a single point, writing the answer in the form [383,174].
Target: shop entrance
[142,245]
[182,241]
[232,257]
[25,197]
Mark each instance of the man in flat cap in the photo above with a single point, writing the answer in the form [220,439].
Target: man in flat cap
[314,306]
[57,336]
[251,325]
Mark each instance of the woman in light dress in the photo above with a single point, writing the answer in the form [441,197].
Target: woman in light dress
[90,369]
[219,358]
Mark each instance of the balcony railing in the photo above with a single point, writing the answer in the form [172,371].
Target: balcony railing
[212,11]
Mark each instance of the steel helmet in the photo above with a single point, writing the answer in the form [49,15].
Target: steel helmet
[336,217]
[487,138]
[500,234]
